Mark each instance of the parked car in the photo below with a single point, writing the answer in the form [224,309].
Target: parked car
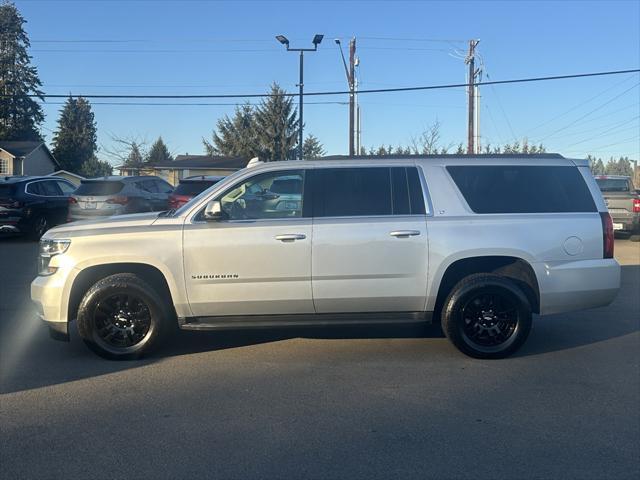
[477,242]
[190,187]
[107,196]
[31,205]
[623,201]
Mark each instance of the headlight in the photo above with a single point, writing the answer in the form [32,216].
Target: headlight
[49,248]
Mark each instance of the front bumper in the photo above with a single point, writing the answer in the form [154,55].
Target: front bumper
[50,294]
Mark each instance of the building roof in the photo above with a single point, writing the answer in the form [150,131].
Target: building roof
[203,162]
[20,148]
[66,172]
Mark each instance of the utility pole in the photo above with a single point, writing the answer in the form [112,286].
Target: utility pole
[352,96]
[470,60]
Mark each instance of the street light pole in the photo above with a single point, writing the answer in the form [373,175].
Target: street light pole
[317,39]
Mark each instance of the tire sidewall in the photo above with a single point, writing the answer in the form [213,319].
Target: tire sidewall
[112,286]
[463,292]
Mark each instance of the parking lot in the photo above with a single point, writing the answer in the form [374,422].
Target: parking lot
[307,403]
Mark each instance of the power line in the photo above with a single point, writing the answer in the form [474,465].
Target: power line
[590,112]
[575,107]
[344,92]
[604,132]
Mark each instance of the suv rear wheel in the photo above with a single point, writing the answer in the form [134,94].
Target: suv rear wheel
[121,317]
[487,316]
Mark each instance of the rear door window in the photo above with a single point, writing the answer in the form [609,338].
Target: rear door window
[522,189]
[367,191]
[99,188]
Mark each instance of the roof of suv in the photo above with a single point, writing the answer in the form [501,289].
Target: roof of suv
[27,178]
[118,178]
[528,156]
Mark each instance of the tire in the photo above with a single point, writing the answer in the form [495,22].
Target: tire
[121,317]
[39,226]
[471,324]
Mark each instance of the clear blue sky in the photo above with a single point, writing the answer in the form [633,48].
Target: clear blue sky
[211,47]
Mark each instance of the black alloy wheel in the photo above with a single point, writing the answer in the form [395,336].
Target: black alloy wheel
[487,316]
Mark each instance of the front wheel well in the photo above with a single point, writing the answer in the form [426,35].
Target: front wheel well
[514,268]
[90,275]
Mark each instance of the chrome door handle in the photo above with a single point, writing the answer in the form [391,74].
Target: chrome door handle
[404,233]
[290,237]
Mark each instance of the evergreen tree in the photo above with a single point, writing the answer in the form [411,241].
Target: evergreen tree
[276,126]
[95,168]
[159,152]
[235,137]
[20,115]
[75,141]
[135,158]
[312,148]
[622,166]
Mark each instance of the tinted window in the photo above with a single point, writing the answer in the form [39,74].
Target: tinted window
[98,188]
[400,191]
[352,192]
[522,189]
[7,190]
[613,184]
[50,188]
[163,187]
[35,188]
[192,188]
[255,199]
[65,187]
[415,192]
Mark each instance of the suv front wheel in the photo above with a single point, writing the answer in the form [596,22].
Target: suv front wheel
[121,317]
[486,316]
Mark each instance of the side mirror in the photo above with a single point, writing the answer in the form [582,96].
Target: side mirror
[213,212]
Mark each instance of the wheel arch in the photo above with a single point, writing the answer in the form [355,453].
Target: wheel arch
[91,274]
[513,267]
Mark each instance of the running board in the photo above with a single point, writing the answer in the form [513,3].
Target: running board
[233,322]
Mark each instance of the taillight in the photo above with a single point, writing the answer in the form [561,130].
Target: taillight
[607,235]
[636,205]
[176,201]
[72,201]
[118,200]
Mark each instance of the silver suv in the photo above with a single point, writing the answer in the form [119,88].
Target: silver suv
[478,243]
[107,196]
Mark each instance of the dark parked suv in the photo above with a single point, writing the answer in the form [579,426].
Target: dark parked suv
[106,196]
[32,205]
[190,187]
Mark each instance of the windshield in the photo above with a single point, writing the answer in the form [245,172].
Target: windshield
[193,187]
[223,182]
[613,184]
[99,188]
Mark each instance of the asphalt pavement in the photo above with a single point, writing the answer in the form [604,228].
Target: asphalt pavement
[315,403]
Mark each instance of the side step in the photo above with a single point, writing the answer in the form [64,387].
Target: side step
[232,322]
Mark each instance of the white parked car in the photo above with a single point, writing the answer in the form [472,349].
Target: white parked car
[479,243]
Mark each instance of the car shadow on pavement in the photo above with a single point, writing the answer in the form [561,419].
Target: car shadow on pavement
[29,359]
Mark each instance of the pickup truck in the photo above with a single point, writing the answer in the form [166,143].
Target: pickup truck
[622,200]
[479,243]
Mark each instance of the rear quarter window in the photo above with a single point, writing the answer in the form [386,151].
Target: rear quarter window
[522,189]
[99,188]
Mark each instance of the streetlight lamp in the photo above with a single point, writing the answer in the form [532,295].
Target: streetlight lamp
[317,39]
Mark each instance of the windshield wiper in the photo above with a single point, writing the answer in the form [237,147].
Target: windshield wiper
[167,213]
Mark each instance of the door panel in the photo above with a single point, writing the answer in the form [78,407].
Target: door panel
[240,268]
[358,266]
[259,260]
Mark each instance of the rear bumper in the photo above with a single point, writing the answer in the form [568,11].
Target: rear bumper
[570,286]
[628,221]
